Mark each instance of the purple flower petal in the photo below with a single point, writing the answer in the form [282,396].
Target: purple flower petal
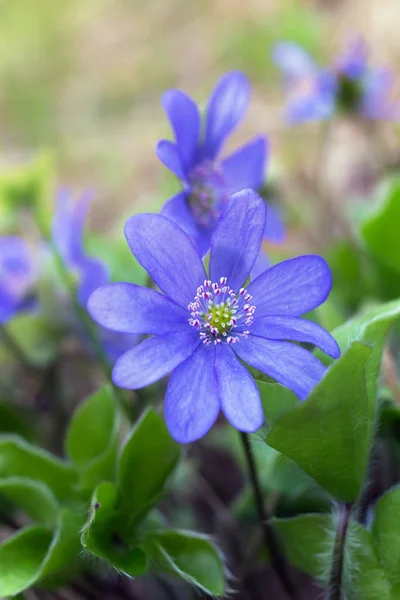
[184,117]
[292,287]
[191,402]
[8,307]
[236,240]
[296,330]
[116,344]
[202,240]
[168,153]
[353,62]
[290,365]
[274,228]
[177,210]
[154,358]
[262,264]
[68,225]
[293,60]
[310,106]
[94,274]
[245,168]
[131,308]
[377,102]
[167,254]
[239,395]
[17,274]
[226,108]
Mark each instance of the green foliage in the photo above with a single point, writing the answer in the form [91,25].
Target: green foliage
[329,434]
[276,400]
[249,46]
[20,459]
[386,530]
[13,420]
[117,255]
[92,439]
[33,497]
[349,274]
[30,186]
[62,558]
[27,549]
[363,576]
[308,541]
[45,489]
[370,327]
[189,556]
[37,338]
[380,229]
[149,456]
[117,530]
[102,538]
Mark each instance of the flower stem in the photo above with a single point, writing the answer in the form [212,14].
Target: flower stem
[334,591]
[92,336]
[270,539]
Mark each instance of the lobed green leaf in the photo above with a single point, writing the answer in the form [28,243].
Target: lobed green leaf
[329,434]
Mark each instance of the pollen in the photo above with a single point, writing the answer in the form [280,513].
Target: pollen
[220,314]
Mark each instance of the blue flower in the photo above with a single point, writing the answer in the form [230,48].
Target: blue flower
[193,158]
[90,273]
[17,275]
[203,324]
[350,85]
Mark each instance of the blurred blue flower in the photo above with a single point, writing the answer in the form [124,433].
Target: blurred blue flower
[90,273]
[350,85]
[193,158]
[18,273]
[202,324]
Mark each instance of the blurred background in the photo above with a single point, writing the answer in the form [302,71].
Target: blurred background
[83,79]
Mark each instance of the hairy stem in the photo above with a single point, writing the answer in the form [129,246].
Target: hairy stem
[270,539]
[334,591]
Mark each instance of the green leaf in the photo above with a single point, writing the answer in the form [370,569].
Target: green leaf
[20,459]
[329,434]
[363,576]
[370,328]
[386,530]
[308,541]
[348,274]
[65,548]
[380,230]
[92,438]
[21,557]
[276,400]
[33,497]
[148,458]
[190,556]
[101,537]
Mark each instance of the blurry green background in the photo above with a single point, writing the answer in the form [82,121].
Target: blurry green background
[84,77]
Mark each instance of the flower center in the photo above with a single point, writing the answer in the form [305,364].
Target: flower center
[207,193]
[220,314]
[350,93]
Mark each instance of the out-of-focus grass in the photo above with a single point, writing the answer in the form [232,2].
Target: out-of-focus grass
[249,45]
[84,79]
[36,57]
